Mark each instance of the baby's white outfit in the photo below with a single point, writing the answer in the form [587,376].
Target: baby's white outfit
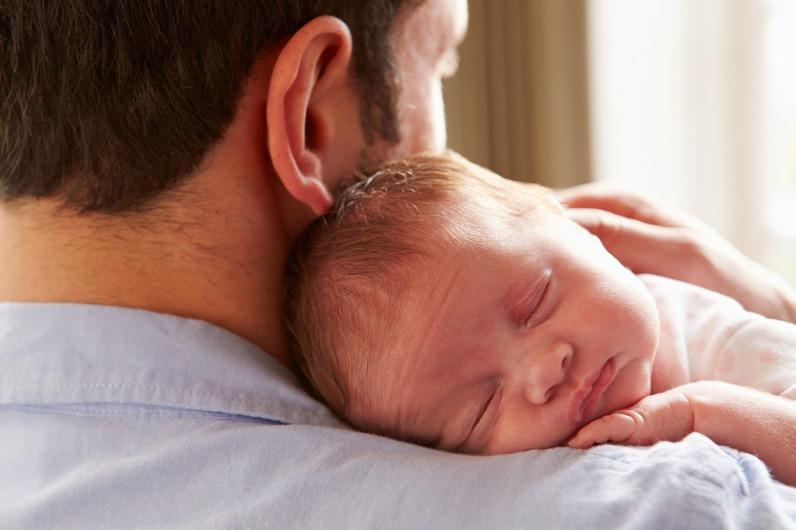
[712,337]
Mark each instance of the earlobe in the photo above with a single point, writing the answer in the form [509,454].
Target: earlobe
[313,63]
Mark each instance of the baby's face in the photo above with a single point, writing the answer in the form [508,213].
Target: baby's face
[517,343]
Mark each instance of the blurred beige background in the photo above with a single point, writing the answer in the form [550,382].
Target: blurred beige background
[691,103]
[519,101]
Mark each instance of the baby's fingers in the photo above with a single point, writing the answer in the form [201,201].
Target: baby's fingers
[610,428]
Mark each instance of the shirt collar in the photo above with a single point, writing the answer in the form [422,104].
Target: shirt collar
[78,353]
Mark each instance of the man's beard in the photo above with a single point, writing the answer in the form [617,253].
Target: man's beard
[380,151]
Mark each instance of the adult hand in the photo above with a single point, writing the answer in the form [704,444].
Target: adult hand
[668,415]
[648,238]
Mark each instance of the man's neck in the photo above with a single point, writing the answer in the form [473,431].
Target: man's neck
[219,262]
[213,250]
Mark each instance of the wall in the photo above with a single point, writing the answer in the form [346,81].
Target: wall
[519,103]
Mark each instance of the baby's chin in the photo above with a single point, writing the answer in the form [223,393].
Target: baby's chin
[632,383]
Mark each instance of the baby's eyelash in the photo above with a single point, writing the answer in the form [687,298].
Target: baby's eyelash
[492,402]
[480,414]
[536,302]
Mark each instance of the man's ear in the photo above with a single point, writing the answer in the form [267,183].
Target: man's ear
[304,108]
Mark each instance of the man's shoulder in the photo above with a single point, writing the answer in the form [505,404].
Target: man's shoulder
[144,420]
[166,470]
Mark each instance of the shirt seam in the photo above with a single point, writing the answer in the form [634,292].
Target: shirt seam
[187,414]
[167,389]
[247,407]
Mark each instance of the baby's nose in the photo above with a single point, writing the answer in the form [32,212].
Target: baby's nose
[548,373]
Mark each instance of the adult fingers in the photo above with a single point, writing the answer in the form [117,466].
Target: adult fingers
[640,246]
[596,195]
[691,256]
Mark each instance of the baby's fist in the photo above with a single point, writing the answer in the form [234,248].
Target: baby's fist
[665,416]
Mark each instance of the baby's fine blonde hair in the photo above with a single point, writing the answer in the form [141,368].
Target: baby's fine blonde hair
[348,272]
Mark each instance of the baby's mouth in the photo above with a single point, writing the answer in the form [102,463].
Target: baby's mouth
[586,398]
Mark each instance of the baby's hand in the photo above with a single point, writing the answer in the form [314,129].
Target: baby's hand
[665,416]
[744,418]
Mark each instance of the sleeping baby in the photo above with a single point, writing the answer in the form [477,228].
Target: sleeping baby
[442,304]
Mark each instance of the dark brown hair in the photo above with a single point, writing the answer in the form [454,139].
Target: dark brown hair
[107,103]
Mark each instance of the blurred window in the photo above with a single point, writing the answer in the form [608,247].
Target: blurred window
[694,103]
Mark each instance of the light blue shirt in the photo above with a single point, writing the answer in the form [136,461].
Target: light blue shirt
[119,418]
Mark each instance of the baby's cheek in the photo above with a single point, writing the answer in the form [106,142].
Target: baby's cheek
[545,428]
[650,319]
[643,328]
[632,383]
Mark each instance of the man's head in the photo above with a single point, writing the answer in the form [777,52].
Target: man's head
[164,154]
[107,105]
[440,303]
